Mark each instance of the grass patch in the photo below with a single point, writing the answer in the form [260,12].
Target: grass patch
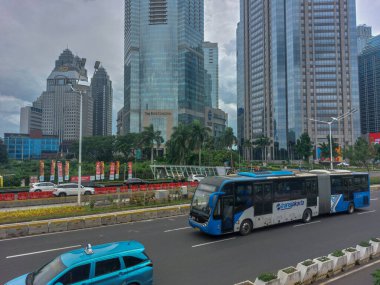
[268,276]
[72,211]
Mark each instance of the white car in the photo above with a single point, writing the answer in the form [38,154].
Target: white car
[42,186]
[196,177]
[68,189]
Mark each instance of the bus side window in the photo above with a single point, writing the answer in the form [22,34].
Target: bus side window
[243,196]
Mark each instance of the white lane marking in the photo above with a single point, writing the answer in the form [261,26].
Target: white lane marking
[85,229]
[368,212]
[43,251]
[301,225]
[173,230]
[351,272]
[207,243]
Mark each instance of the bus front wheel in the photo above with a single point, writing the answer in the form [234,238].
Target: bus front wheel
[246,227]
[306,217]
[351,208]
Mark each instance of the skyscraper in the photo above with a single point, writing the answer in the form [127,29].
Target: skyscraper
[369,86]
[210,51]
[61,105]
[163,64]
[101,91]
[364,33]
[30,119]
[300,64]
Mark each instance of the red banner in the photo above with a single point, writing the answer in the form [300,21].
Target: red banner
[117,170]
[97,176]
[102,170]
[83,178]
[112,171]
[129,169]
[60,171]
[67,170]
[42,171]
[52,170]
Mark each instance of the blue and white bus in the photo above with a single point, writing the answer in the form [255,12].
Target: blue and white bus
[243,202]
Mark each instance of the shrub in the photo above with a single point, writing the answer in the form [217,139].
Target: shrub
[365,244]
[267,276]
[337,253]
[307,262]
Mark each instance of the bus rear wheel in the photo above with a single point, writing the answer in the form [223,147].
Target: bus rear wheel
[245,227]
[306,217]
[351,208]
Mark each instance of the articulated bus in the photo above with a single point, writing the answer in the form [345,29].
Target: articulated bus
[243,202]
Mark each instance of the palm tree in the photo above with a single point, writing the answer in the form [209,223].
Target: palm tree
[149,136]
[229,139]
[262,142]
[198,134]
[179,142]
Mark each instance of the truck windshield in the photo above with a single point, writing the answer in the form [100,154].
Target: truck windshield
[201,198]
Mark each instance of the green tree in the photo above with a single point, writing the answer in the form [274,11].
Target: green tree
[3,152]
[149,136]
[127,144]
[376,276]
[198,136]
[361,153]
[179,144]
[304,146]
[262,143]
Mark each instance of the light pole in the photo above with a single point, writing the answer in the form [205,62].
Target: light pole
[333,119]
[80,143]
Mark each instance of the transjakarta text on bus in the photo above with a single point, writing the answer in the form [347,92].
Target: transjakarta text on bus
[241,203]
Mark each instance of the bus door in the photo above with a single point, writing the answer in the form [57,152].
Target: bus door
[227,213]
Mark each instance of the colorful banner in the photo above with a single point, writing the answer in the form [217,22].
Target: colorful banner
[117,170]
[102,170]
[67,170]
[112,171]
[97,176]
[52,170]
[60,171]
[129,169]
[42,171]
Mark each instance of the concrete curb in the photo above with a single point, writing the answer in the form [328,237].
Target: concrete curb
[90,221]
[320,268]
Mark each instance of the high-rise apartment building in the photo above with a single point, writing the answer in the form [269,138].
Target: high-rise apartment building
[163,65]
[300,63]
[60,104]
[211,64]
[101,91]
[30,119]
[369,86]
[364,33]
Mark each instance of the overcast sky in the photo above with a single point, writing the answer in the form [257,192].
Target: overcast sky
[33,33]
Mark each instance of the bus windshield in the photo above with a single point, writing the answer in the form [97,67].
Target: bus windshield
[201,198]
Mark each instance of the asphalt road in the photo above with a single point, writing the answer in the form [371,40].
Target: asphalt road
[184,256]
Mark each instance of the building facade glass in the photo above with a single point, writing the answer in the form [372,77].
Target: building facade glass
[163,64]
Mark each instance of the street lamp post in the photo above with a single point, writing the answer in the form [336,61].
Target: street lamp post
[80,143]
[333,119]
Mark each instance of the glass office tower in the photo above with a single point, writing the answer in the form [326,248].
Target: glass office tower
[302,59]
[163,64]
